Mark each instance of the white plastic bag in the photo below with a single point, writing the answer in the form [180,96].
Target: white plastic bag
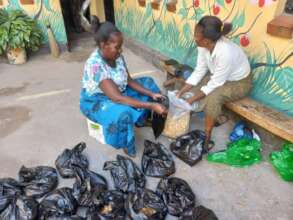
[177,106]
[177,122]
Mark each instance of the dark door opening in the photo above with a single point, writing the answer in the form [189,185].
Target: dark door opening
[72,21]
[109,10]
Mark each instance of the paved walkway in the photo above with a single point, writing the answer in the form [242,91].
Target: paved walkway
[39,117]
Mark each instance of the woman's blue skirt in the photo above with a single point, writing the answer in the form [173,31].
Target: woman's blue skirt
[118,120]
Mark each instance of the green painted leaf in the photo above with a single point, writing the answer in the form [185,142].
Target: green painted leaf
[183,12]
[221,2]
[184,4]
[149,11]
[187,31]
[241,19]
[199,14]
[48,6]
[236,40]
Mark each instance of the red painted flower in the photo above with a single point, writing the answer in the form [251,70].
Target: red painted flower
[196,3]
[244,41]
[228,1]
[261,3]
[216,9]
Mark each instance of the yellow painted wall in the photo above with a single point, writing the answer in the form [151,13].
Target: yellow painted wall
[251,8]
[97,8]
[172,35]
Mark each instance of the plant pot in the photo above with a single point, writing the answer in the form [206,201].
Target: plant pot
[171,7]
[27,2]
[155,5]
[141,3]
[16,56]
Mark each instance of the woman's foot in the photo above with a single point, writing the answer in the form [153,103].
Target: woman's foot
[221,120]
[208,145]
[133,155]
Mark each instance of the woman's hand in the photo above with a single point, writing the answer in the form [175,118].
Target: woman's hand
[178,94]
[157,96]
[190,101]
[185,89]
[158,108]
[198,96]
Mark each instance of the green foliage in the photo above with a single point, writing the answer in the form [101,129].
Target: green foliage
[198,14]
[221,3]
[238,20]
[273,84]
[166,38]
[183,12]
[17,30]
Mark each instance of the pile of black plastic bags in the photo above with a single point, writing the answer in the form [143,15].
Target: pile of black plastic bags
[35,194]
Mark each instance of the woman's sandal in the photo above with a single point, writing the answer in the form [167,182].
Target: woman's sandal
[206,149]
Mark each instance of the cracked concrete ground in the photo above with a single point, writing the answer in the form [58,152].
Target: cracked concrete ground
[39,117]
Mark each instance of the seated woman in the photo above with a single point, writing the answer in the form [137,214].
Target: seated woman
[110,97]
[229,69]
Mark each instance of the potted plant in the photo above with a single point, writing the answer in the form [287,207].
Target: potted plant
[171,5]
[155,4]
[141,3]
[18,33]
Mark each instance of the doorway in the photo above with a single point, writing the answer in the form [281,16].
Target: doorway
[72,21]
[109,10]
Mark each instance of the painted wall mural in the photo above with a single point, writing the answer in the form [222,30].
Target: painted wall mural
[172,34]
[44,11]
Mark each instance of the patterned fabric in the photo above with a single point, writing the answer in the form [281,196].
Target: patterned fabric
[118,120]
[96,70]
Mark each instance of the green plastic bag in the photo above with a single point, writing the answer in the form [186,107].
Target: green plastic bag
[240,153]
[283,161]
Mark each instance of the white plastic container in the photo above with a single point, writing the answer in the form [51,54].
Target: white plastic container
[96,131]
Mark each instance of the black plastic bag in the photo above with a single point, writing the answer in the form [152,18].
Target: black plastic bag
[8,188]
[177,195]
[126,175]
[199,213]
[158,121]
[19,208]
[189,147]
[149,206]
[88,187]
[69,157]
[156,160]
[74,217]
[92,214]
[158,124]
[113,206]
[59,203]
[38,181]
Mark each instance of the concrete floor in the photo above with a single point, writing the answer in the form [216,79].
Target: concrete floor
[40,117]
